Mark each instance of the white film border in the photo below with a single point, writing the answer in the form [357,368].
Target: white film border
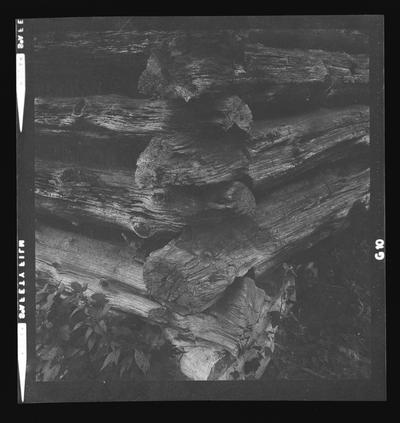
[22,358]
[20,88]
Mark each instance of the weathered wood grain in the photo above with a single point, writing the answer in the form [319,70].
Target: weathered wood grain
[347,40]
[107,44]
[238,326]
[102,62]
[243,316]
[177,162]
[79,63]
[282,148]
[106,268]
[175,72]
[111,197]
[283,79]
[90,62]
[192,271]
[275,150]
[106,116]
[112,134]
[111,261]
[214,345]
[184,159]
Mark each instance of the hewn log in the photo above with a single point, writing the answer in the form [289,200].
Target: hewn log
[136,119]
[112,43]
[99,62]
[175,72]
[293,79]
[112,198]
[107,152]
[184,159]
[276,149]
[102,116]
[115,261]
[239,326]
[244,317]
[213,345]
[191,272]
[275,146]
[281,148]
[110,269]
[350,41]
[107,44]
[91,62]
[234,322]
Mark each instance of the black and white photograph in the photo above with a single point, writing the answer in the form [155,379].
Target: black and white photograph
[200,208]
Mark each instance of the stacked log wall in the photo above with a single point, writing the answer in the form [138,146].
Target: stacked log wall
[209,155]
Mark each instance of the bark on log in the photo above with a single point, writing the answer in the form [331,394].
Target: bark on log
[276,149]
[136,119]
[112,198]
[191,272]
[174,72]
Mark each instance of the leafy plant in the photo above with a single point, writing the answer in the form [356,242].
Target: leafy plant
[77,336]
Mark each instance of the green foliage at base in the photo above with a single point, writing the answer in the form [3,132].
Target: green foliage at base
[79,337]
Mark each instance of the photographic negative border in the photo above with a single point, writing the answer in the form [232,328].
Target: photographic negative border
[290,390]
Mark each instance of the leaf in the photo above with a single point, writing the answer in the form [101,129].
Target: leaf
[98,329]
[103,325]
[116,355]
[56,370]
[121,331]
[50,373]
[46,371]
[109,359]
[126,363]
[50,300]
[154,338]
[49,354]
[44,289]
[77,326]
[91,342]
[79,308]
[71,352]
[142,361]
[64,332]
[105,310]
[88,333]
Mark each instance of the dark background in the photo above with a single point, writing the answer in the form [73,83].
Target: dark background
[255,390]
